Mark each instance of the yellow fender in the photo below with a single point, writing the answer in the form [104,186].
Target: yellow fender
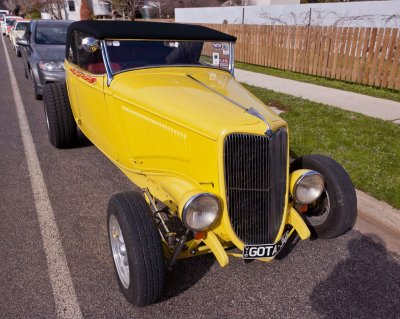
[298,224]
[219,252]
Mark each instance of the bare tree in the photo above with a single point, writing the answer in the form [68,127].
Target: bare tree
[11,5]
[117,8]
[29,6]
[126,8]
[55,8]
[133,8]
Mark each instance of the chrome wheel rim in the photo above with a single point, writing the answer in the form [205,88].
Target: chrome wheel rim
[118,248]
[318,214]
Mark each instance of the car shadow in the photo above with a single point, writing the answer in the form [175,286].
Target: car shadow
[81,140]
[292,242]
[365,285]
[185,274]
[292,155]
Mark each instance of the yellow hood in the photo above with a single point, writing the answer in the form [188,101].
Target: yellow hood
[204,100]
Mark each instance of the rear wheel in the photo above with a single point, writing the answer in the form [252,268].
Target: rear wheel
[335,211]
[60,121]
[136,248]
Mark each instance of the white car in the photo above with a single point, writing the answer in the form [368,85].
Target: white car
[3,13]
[7,23]
[2,16]
[17,31]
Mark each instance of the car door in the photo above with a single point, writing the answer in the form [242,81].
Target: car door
[26,50]
[88,82]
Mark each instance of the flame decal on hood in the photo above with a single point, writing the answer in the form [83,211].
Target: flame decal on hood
[83,76]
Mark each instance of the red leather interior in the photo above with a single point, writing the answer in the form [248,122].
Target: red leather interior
[99,68]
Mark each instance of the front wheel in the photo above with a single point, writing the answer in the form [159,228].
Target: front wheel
[335,211]
[136,248]
[17,52]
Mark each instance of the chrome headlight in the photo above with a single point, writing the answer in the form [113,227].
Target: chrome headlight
[51,66]
[201,211]
[308,187]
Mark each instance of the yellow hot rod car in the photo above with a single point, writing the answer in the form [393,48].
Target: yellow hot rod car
[212,161]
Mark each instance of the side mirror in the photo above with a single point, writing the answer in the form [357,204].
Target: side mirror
[22,42]
[90,44]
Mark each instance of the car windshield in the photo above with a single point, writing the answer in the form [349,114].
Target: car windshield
[51,34]
[21,26]
[10,22]
[130,54]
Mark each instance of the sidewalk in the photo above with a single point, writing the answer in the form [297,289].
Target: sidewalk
[368,105]
[375,218]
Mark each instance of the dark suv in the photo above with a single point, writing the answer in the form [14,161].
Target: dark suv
[43,52]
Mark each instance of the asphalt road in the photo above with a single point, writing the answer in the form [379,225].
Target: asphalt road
[353,276]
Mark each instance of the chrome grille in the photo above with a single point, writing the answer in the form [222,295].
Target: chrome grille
[255,181]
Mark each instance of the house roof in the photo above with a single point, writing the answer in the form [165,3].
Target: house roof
[111,29]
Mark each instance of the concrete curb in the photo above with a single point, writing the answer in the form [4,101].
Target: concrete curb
[378,221]
[378,212]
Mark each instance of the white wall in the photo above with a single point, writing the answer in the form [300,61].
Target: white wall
[45,15]
[75,15]
[71,15]
[362,14]
[268,2]
[209,15]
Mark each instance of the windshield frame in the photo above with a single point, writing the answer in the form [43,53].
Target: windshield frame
[110,73]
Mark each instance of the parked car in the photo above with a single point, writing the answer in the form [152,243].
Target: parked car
[210,159]
[7,22]
[3,13]
[18,31]
[43,52]
[10,25]
[9,28]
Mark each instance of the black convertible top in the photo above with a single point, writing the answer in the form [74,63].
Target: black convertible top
[110,29]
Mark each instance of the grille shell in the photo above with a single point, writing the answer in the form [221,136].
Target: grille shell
[255,184]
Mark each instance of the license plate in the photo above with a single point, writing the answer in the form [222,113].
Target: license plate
[266,250]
